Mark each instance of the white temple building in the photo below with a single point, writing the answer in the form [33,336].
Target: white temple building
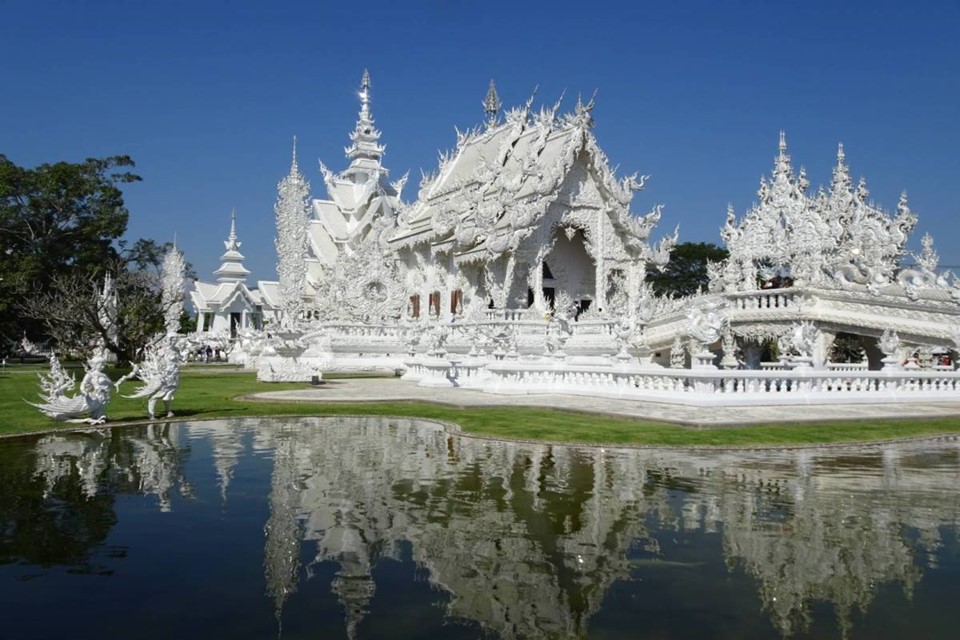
[520,268]
[228,306]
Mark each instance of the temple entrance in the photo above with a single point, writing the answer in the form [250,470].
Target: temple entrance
[570,269]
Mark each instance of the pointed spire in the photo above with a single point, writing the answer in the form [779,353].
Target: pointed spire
[232,238]
[365,148]
[491,105]
[582,112]
[782,170]
[294,168]
[365,95]
[231,267]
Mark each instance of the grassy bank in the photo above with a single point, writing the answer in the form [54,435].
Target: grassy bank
[214,394]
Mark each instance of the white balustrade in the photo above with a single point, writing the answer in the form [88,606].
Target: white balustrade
[719,387]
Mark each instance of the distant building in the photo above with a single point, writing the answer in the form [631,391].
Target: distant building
[228,306]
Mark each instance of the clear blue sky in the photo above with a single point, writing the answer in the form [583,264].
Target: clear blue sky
[205,96]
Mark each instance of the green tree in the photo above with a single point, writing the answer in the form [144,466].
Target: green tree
[56,219]
[687,270]
[70,307]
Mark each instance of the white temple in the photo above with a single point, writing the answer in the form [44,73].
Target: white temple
[520,268]
[228,306]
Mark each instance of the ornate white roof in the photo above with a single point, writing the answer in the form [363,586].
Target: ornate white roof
[491,191]
[357,195]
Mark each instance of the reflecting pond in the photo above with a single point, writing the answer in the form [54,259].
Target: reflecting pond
[375,528]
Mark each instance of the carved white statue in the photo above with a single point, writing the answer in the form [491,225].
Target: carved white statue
[88,405]
[159,372]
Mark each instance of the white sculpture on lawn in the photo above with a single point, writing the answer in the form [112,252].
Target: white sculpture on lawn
[159,372]
[89,403]
[159,367]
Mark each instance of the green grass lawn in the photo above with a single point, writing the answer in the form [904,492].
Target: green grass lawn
[214,394]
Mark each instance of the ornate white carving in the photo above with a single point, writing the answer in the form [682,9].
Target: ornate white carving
[88,405]
[705,323]
[828,239]
[159,373]
[292,213]
[173,277]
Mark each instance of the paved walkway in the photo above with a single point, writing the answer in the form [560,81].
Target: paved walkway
[396,390]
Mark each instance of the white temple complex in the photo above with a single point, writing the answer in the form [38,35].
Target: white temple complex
[520,268]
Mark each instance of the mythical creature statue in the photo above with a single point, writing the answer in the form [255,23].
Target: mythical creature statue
[88,405]
[437,338]
[705,323]
[159,371]
[889,343]
[801,340]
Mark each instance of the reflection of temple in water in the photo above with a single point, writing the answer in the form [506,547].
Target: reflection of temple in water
[526,540]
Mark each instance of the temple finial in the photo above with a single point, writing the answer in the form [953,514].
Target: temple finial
[293,162]
[365,95]
[840,154]
[491,105]
[783,141]
[233,223]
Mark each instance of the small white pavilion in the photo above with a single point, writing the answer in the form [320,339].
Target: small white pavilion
[228,306]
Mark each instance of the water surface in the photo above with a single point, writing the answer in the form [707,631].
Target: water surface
[375,528]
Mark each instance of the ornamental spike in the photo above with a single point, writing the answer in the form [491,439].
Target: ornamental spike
[293,162]
[365,95]
[491,105]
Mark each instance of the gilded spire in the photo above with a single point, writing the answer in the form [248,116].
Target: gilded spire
[491,105]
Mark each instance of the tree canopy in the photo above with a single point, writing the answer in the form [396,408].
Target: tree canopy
[56,219]
[687,269]
[60,233]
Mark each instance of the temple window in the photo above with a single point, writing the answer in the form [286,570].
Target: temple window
[456,300]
